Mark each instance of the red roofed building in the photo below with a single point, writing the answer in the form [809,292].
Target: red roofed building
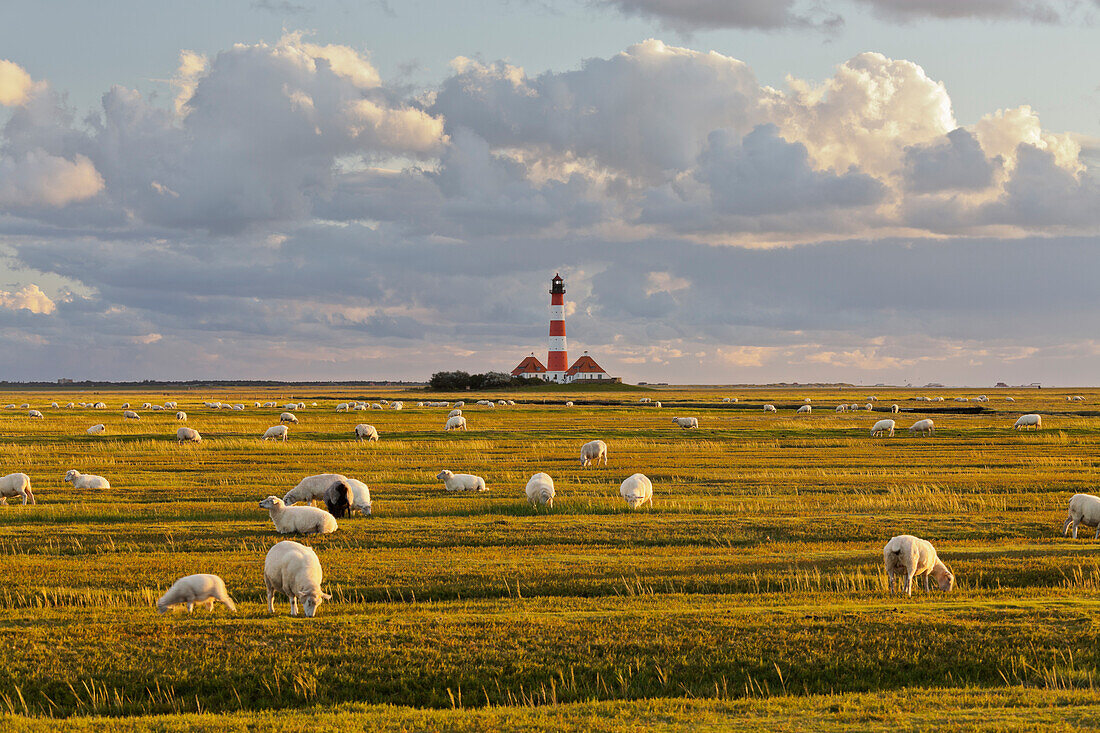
[529,367]
[584,369]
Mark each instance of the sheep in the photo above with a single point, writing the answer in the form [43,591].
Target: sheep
[511,403]
[359,499]
[807,400]
[540,490]
[938,399]
[270,404]
[637,490]
[288,417]
[1083,509]
[69,406]
[157,408]
[686,423]
[568,404]
[1010,399]
[100,405]
[254,404]
[869,406]
[182,416]
[276,432]
[147,406]
[455,423]
[96,429]
[1078,398]
[460,403]
[365,432]
[54,406]
[34,413]
[27,405]
[337,499]
[842,408]
[769,408]
[924,427]
[12,406]
[461,481]
[962,399]
[311,488]
[125,405]
[483,403]
[375,406]
[1029,421]
[883,426]
[294,570]
[503,403]
[895,409]
[16,485]
[343,407]
[454,413]
[646,399]
[657,404]
[290,406]
[189,435]
[130,415]
[872,398]
[910,556]
[853,407]
[592,452]
[237,407]
[86,480]
[170,405]
[192,590]
[298,519]
[804,410]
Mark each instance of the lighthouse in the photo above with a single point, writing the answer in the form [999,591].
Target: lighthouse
[557,359]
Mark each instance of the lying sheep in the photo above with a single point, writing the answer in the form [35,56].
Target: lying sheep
[288,417]
[96,429]
[1083,509]
[909,557]
[924,427]
[181,415]
[804,410]
[277,431]
[16,485]
[298,519]
[686,423]
[130,415]
[461,481]
[458,422]
[883,427]
[769,408]
[294,570]
[593,451]
[540,490]
[86,480]
[189,435]
[365,432]
[1029,421]
[196,590]
[34,413]
[637,490]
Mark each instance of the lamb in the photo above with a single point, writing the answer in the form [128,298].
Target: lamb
[593,451]
[883,426]
[804,410]
[461,481]
[130,415]
[769,408]
[637,490]
[455,423]
[540,490]
[895,409]
[181,415]
[192,590]
[924,427]
[16,485]
[34,413]
[687,423]
[909,557]
[454,413]
[96,429]
[1029,421]
[288,417]
[365,432]
[298,519]
[276,432]
[86,480]
[189,435]
[294,570]
[1083,509]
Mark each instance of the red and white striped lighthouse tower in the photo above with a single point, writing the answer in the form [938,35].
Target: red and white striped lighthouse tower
[557,359]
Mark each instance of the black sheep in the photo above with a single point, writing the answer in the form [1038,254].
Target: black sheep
[338,499]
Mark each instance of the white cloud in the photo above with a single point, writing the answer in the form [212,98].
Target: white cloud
[15,84]
[37,178]
[30,297]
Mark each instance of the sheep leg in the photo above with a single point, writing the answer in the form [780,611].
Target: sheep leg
[293,604]
[909,583]
[926,588]
[4,501]
[1097,537]
[209,604]
[1065,526]
[890,576]
[1075,523]
[270,598]
[190,606]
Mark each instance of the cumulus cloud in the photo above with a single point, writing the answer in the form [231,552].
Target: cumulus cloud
[15,84]
[956,162]
[39,179]
[30,298]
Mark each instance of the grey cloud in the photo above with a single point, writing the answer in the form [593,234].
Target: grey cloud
[957,162]
[1038,11]
[691,15]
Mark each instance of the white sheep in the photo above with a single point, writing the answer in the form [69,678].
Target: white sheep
[290,406]
[869,406]
[895,409]
[53,405]
[687,423]
[125,405]
[657,404]
[96,429]
[807,400]
[360,497]
[1010,399]
[100,405]
[69,406]
[130,415]
[872,398]
[637,490]
[34,413]
[288,417]
[293,569]
[540,490]
[343,407]
[1083,509]
[12,406]
[924,427]
[460,403]
[842,408]
[454,413]
[375,406]
[312,488]
[147,406]
[646,399]
[883,426]
[27,405]
[853,407]
[458,422]
[298,519]
[277,431]
[157,408]
[908,556]
[568,404]
[196,590]
[1078,398]
[189,435]
[16,485]
[502,403]
[365,432]
[593,451]
[938,399]
[181,415]
[804,410]
[1029,421]
[962,399]
[769,408]
[461,481]
[86,480]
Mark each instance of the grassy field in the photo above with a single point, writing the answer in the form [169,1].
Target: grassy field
[751,595]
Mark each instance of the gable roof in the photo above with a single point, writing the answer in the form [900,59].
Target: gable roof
[585,364]
[530,365]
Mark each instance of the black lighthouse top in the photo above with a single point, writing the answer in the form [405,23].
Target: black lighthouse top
[557,285]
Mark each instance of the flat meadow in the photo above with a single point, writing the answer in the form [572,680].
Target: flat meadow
[750,595]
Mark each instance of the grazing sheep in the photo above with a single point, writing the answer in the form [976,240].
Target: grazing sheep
[1010,399]
[895,409]
[375,406]
[337,499]
[34,413]
[869,406]
[909,557]
[365,432]
[12,406]
[593,451]
[130,415]
[461,481]
[568,404]
[687,423]
[276,432]
[196,590]
[807,400]
[883,426]
[69,406]
[502,403]
[842,408]
[181,415]
[157,408]
[804,410]
[454,413]
[53,405]
[540,490]
[96,429]
[1029,421]
[147,405]
[637,490]
[100,405]
[359,497]
[1078,398]
[962,399]
[298,519]
[924,427]
[769,408]
[288,417]
[458,422]
[938,399]
[657,404]
[646,399]
[86,480]
[460,403]
[1083,509]
[125,405]
[853,407]
[26,405]
[16,485]
[290,406]
[343,407]
[872,398]
[294,570]
[254,404]
[189,435]
[312,488]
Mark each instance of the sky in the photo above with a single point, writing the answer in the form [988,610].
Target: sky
[735,191]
